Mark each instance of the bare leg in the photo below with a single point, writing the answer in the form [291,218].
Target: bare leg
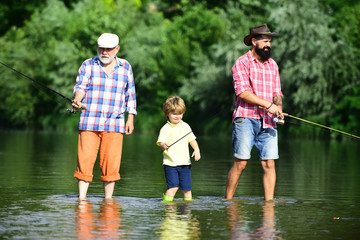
[83,187]
[171,191]
[187,194]
[269,179]
[109,189]
[234,176]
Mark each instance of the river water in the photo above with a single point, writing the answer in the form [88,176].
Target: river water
[317,194]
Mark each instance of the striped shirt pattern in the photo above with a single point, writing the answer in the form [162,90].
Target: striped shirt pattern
[261,79]
[106,97]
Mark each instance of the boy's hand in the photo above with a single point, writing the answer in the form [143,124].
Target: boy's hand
[164,146]
[196,154]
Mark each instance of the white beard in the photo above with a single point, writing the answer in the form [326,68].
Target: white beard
[106,60]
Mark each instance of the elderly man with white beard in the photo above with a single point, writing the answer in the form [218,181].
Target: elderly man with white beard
[104,90]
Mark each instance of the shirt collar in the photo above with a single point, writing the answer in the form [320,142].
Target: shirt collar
[173,125]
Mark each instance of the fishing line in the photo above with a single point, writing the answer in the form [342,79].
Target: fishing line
[43,85]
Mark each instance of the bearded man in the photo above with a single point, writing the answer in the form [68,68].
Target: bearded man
[258,101]
[104,90]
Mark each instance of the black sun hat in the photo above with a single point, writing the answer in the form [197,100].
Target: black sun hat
[258,30]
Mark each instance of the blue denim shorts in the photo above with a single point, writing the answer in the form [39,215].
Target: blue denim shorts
[248,132]
[179,176]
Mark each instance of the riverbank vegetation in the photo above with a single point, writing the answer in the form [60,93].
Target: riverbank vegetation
[185,48]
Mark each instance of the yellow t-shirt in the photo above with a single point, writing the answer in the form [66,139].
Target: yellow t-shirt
[177,154]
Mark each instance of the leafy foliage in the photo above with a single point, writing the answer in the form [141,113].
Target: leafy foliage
[311,56]
[349,113]
[185,48]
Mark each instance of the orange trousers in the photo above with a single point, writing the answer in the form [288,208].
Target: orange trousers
[110,144]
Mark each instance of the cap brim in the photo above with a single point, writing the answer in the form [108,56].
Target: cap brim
[106,46]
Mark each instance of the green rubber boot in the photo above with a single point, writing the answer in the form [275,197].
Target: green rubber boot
[167,199]
[188,199]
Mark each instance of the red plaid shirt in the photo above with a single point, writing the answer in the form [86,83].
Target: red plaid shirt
[261,79]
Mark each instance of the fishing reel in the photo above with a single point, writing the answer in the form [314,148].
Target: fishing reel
[76,110]
[73,110]
[279,121]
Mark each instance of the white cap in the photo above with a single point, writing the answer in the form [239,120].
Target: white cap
[108,40]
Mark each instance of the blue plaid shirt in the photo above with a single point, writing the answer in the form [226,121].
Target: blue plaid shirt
[106,97]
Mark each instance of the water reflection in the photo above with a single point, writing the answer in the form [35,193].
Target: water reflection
[317,181]
[98,225]
[239,222]
[179,223]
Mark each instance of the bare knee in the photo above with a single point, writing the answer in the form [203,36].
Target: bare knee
[239,165]
[268,165]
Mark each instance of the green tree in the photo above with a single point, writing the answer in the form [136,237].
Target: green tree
[16,13]
[209,88]
[50,48]
[317,66]
[184,48]
[162,52]
[347,22]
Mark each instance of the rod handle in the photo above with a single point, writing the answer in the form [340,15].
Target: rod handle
[82,105]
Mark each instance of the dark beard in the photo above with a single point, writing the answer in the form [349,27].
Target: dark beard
[264,55]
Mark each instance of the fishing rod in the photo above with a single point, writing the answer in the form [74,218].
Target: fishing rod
[281,121]
[44,86]
[178,140]
[317,124]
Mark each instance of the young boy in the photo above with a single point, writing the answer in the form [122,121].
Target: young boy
[174,139]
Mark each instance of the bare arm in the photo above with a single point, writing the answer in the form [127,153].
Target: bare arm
[274,107]
[196,153]
[278,101]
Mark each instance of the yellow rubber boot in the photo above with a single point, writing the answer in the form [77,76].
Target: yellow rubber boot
[188,199]
[167,199]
